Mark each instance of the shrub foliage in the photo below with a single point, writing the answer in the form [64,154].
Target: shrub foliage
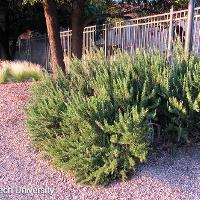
[97,120]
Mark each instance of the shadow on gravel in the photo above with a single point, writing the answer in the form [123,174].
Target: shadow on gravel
[181,170]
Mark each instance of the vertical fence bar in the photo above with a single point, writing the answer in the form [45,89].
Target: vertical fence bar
[189,30]
[171,31]
[46,56]
[105,40]
[68,44]
[198,45]
[19,43]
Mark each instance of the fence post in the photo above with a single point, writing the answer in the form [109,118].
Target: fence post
[189,29]
[171,31]
[105,40]
[46,53]
[19,43]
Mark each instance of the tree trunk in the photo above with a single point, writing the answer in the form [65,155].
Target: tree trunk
[77,27]
[53,30]
[4,41]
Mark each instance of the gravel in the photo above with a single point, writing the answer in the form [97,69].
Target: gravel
[162,177]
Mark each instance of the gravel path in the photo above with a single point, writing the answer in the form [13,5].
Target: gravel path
[21,166]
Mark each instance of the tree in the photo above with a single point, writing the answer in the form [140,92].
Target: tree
[50,12]
[77,27]
[83,13]
[54,36]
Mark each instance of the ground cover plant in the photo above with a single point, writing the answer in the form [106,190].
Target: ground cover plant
[17,71]
[99,120]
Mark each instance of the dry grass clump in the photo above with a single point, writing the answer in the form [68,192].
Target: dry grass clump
[18,71]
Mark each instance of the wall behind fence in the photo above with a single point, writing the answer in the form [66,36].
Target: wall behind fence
[157,31]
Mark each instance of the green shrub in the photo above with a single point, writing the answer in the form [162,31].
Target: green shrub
[45,109]
[90,121]
[184,101]
[97,120]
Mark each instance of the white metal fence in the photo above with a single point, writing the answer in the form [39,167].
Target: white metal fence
[145,32]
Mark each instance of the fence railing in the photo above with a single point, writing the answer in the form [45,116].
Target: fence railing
[156,31]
